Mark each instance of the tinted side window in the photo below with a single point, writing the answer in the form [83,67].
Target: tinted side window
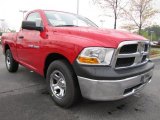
[35,17]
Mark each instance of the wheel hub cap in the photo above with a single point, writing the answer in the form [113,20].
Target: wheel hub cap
[58,84]
[8,61]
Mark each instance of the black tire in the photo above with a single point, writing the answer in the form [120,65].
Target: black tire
[72,92]
[11,64]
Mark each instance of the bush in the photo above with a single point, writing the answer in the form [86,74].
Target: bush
[156,46]
[153,52]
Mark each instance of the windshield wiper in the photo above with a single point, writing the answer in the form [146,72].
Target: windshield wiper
[66,26]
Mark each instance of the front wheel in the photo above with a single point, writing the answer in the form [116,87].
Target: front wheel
[11,64]
[62,83]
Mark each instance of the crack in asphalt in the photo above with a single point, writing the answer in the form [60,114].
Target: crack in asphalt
[10,91]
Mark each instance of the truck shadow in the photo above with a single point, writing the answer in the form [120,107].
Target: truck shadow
[133,103]
[119,108]
[98,109]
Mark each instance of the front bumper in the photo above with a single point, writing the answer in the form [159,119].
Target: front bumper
[113,89]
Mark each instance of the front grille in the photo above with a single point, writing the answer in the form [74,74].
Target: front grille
[128,61]
[131,53]
[128,49]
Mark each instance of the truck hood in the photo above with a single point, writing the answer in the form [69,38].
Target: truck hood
[103,37]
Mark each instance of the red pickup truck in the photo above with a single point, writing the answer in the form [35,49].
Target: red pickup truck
[77,58]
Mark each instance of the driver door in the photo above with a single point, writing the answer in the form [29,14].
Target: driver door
[29,42]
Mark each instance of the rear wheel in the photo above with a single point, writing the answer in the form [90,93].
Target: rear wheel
[11,64]
[62,83]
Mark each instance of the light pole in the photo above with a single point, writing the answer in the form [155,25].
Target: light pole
[102,19]
[102,22]
[77,7]
[23,12]
[2,20]
[152,35]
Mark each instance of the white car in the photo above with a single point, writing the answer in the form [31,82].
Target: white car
[0,39]
[153,43]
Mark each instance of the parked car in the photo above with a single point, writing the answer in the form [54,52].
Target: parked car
[155,42]
[77,58]
[152,43]
[0,39]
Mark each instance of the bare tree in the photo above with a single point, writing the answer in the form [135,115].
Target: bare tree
[116,7]
[138,14]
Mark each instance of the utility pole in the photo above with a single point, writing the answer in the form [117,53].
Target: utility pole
[23,12]
[152,35]
[77,7]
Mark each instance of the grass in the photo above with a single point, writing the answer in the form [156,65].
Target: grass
[155,52]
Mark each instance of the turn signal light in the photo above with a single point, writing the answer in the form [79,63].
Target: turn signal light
[88,60]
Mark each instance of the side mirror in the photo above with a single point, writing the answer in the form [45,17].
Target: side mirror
[30,25]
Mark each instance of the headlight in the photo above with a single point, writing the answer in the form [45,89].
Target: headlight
[96,56]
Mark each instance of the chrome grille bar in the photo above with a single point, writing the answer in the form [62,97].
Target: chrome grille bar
[131,55]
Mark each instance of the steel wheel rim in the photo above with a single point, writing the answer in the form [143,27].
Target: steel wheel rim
[57,84]
[8,61]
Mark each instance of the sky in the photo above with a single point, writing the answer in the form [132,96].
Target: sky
[9,10]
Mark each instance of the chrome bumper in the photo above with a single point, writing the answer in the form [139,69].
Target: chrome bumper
[113,89]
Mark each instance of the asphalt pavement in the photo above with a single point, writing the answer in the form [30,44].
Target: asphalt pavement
[23,96]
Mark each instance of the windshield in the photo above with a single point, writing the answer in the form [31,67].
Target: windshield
[61,19]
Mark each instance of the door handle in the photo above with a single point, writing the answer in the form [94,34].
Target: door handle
[21,37]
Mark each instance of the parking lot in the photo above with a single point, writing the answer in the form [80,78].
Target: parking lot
[23,97]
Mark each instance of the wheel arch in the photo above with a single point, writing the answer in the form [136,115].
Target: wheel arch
[52,57]
[6,47]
